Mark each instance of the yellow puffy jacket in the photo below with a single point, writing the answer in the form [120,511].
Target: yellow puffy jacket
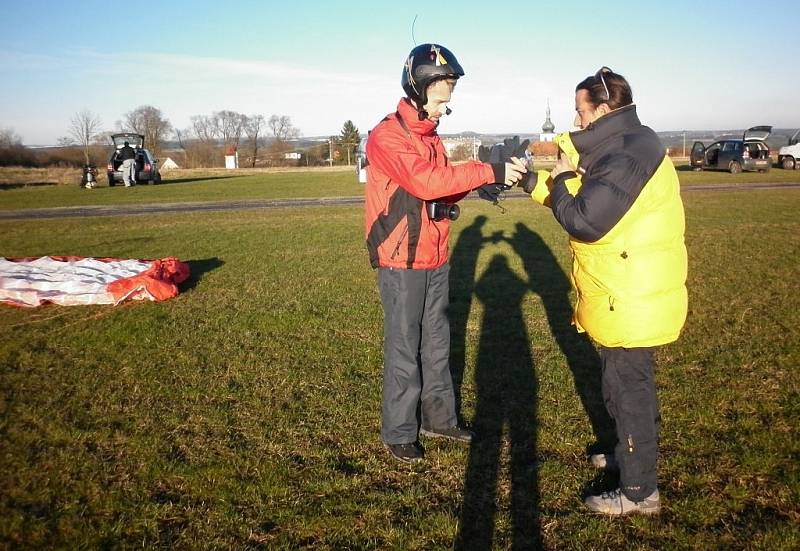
[623,211]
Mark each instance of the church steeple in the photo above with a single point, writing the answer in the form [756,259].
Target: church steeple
[548,126]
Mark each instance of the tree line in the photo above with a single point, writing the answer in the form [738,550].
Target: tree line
[259,141]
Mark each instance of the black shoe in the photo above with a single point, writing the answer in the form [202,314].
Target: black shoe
[407,453]
[457,433]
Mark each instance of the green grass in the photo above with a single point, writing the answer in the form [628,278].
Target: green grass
[198,188]
[245,412]
[281,185]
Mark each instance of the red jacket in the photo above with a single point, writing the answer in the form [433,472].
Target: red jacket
[407,167]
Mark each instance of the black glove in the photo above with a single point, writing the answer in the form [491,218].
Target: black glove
[488,154]
[501,153]
[492,192]
[528,181]
[513,148]
[520,151]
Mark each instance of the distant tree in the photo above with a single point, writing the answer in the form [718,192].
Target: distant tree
[83,127]
[282,133]
[230,126]
[183,136]
[349,139]
[12,152]
[205,128]
[149,122]
[254,126]
[462,152]
[103,138]
[316,154]
[199,143]
[9,138]
[282,128]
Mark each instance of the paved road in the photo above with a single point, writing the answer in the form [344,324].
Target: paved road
[124,210]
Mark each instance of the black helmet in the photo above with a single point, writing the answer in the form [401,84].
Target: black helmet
[426,63]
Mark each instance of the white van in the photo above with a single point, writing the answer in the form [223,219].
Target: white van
[789,155]
[361,161]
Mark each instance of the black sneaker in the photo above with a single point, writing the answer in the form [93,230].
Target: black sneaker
[407,453]
[457,433]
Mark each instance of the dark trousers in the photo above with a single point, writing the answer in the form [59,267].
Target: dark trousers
[416,353]
[629,392]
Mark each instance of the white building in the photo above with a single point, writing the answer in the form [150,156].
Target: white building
[231,158]
[169,164]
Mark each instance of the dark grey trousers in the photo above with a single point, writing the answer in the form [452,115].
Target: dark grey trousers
[629,391]
[416,353]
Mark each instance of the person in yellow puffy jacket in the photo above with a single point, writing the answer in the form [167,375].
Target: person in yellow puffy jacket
[616,193]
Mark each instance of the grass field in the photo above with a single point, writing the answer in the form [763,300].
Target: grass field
[221,185]
[245,412]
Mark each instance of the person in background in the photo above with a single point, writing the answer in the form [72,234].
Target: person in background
[617,195]
[128,168]
[411,193]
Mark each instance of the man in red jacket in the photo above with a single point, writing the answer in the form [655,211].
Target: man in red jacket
[411,193]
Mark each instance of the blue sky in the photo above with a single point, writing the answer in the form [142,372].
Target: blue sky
[692,65]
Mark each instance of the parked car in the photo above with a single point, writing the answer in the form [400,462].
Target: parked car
[789,155]
[749,153]
[146,164]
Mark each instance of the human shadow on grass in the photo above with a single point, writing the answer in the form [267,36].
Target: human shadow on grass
[505,418]
[197,269]
[463,261]
[506,388]
[548,280]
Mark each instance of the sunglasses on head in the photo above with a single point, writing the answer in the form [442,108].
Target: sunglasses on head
[599,75]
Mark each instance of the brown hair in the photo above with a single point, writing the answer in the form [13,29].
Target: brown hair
[606,86]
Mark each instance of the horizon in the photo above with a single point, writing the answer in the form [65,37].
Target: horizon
[324,63]
[710,134]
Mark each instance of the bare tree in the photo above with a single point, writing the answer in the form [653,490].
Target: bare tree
[149,122]
[231,125]
[255,125]
[12,152]
[183,136]
[205,128]
[199,142]
[9,138]
[282,131]
[282,128]
[83,128]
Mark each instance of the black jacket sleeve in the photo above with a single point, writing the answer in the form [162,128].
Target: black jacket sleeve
[606,194]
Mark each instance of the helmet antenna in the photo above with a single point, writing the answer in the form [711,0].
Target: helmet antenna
[413,39]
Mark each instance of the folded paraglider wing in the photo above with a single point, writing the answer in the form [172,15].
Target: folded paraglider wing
[71,280]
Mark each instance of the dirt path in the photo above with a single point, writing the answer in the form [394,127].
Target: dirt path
[125,210]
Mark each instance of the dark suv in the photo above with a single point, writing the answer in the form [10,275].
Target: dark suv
[749,153]
[146,165]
